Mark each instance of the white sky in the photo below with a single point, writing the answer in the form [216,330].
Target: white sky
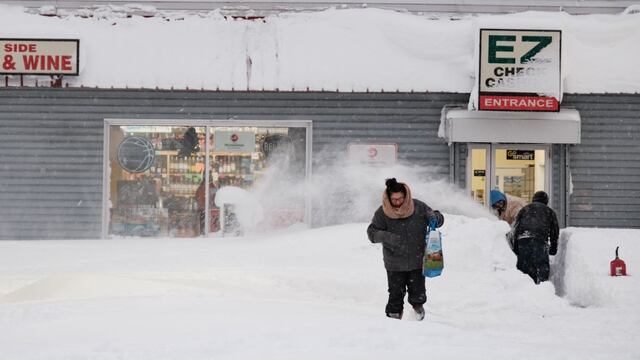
[346,50]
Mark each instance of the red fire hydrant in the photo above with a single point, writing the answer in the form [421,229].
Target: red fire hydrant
[618,267]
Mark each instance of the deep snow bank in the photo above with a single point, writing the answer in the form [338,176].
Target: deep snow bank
[299,293]
[333,263]
[581,268]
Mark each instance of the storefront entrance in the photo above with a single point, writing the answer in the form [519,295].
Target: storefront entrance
[156,171]
[518,169]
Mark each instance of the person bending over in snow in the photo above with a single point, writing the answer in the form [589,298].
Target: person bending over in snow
[506,206]
[401,224]
[534,237]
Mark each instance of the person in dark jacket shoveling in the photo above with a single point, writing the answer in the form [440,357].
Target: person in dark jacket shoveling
[401,224]
[534,237]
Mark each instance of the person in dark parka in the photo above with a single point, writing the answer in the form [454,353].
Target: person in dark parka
[401,224]
[534,237]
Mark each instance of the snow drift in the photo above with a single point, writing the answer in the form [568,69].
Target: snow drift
[312,294]
[333,50]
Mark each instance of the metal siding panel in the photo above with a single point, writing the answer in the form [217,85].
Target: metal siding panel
[604,167]
[51,140]
[558,182]
[462,154]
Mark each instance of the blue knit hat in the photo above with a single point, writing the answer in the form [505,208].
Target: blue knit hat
[495,196]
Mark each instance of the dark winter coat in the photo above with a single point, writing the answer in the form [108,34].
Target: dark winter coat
[538,221]
[403,240]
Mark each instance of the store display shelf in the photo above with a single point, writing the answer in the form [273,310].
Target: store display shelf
[180,173]
[232,174]
[202,153]
[181,188]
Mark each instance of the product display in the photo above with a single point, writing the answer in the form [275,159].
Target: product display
[168,198]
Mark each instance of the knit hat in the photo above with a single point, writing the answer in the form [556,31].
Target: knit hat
[541,197]
[495,196]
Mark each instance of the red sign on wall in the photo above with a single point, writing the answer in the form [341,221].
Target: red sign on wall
[512,102]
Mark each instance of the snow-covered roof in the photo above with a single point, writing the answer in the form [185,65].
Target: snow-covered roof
[344,50]
[266,7]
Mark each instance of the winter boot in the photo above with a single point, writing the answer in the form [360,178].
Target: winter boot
[395,315]
[419,309]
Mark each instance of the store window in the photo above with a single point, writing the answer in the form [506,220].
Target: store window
[157,173]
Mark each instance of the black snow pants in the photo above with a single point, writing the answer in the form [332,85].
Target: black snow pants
[533,258]
[401,281]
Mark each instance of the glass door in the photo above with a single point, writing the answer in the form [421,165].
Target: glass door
[264,159]
[521,170]
[478,168]
[517,169]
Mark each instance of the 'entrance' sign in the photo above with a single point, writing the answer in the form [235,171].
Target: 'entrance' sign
[519,70]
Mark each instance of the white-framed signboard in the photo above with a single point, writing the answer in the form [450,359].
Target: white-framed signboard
[39,56]
[519,70]
[234,141]
[383,154]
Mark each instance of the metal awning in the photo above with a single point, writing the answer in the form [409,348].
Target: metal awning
[461,125]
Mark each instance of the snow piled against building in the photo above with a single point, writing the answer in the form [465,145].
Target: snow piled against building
[313,294]
[334,50]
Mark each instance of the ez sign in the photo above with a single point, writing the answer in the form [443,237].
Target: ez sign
[519,70]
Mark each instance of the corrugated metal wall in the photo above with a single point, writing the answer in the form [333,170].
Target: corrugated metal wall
[51,140]
[605,167]
[51,146]
[558,174]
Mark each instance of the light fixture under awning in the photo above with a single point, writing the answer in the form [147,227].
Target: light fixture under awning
[461,125]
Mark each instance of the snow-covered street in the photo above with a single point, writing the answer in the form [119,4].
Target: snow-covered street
[311,294]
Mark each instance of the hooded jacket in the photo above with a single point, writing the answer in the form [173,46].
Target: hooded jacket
[538,221]
[403,239]
[514,204]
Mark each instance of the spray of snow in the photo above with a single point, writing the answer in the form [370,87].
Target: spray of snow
[348,191]
[246,207]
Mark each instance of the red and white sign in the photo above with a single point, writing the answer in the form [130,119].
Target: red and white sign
[234,141]
[39,56]
[385,154]
[519,70]
[518,103]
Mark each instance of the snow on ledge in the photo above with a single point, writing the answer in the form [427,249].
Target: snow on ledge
[334,50]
